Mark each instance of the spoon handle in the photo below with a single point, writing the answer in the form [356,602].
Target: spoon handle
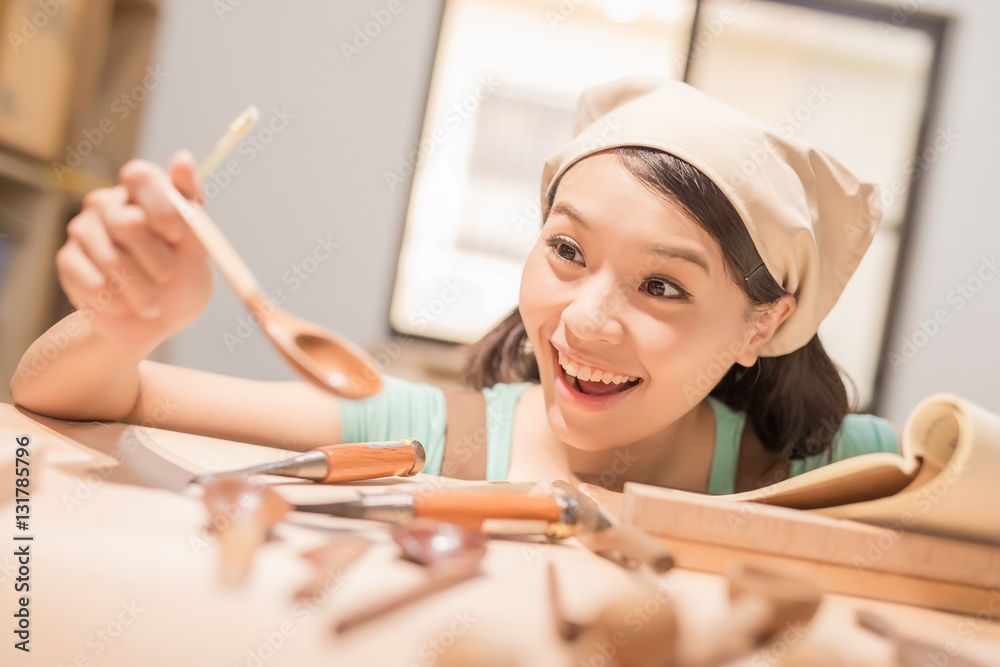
[232,267]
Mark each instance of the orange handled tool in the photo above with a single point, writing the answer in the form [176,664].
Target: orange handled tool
[344,463]
[465,509]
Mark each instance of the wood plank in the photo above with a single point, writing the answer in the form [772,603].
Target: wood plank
[858,547]
[841,579]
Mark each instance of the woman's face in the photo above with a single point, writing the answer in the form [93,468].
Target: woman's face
[626,283]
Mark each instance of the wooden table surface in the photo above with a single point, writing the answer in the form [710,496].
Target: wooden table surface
[126,575]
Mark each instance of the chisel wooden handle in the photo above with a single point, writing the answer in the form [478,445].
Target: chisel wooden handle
[370,460]
[470,509]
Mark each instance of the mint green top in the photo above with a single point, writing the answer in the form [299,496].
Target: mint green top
[858,434]
[417,410]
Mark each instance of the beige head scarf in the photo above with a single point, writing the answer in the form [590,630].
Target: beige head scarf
[809,217]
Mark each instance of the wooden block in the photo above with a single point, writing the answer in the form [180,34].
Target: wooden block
[841,579]
[853,546]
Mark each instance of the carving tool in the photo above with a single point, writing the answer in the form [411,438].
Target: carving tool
[342,463]
[598,530]
[468,510]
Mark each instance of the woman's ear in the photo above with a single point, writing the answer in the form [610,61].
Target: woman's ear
[763,327]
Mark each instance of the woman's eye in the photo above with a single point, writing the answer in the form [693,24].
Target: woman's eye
[566,251]
[562,249]
[657,287]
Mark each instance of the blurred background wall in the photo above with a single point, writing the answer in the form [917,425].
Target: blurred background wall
[341,121]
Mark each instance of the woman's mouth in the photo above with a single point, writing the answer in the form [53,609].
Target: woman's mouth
[587,386]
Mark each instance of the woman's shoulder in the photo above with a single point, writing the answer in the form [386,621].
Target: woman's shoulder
[858,434]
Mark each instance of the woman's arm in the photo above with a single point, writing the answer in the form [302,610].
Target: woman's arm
[73,373]
[137,275]
[291,415]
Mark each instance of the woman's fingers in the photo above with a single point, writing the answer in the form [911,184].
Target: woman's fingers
[127,227]
[146,186]
[84,284]
[183,173]
[122,275]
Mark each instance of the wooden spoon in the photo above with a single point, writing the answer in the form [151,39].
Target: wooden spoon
[329,361]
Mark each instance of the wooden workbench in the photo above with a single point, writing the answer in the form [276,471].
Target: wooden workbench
[126,575]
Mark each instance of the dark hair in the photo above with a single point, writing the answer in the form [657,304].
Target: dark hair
[795,404]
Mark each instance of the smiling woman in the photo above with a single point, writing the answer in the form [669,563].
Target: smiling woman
[661,275]
[646,301]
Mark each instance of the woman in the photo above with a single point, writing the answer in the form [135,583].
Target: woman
[695,244]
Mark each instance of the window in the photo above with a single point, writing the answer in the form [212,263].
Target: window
[853,79]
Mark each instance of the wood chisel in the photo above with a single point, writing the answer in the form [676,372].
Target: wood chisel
[348,462]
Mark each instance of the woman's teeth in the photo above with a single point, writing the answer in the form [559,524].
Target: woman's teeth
[583,372]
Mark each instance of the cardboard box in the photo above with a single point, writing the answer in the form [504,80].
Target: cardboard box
[36,73]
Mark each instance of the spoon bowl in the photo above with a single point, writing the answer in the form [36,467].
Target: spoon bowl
[329,361]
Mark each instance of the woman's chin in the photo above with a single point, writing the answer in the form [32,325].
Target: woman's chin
[586,441]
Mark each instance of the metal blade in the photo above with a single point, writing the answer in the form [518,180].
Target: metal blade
[390,507]
[310,465]
[590,515]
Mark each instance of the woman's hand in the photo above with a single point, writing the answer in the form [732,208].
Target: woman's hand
[131,264]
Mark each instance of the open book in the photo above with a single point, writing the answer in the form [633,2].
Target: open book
[922,527]
[946,482]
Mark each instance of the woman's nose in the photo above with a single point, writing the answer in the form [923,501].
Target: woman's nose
[593,313]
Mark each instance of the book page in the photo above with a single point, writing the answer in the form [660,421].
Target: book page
[957,491]
[851,480]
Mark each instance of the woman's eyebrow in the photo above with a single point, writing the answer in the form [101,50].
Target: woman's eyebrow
[665,251]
